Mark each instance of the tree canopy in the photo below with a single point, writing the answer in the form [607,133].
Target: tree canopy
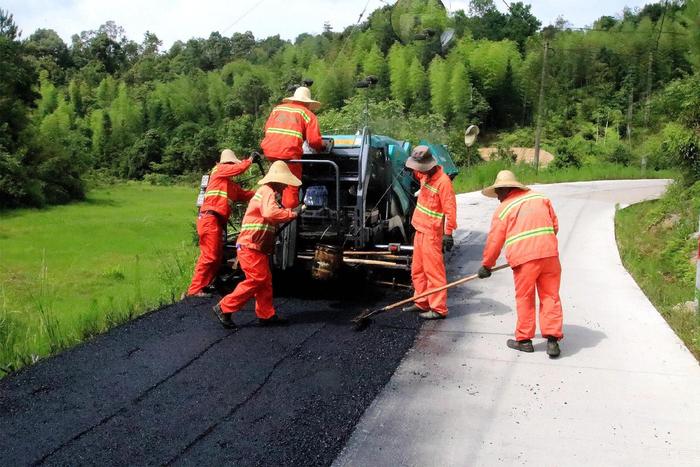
[106,104]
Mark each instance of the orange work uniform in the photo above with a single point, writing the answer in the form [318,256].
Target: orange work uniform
[212,219]
[435,215]
[286,129]
[526,224]
[255,243]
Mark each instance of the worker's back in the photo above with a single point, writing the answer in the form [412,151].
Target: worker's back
[528,227]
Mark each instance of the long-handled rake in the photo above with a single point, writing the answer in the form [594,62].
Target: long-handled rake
[363,320]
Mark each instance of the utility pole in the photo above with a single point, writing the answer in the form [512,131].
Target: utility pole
[540,107]
[630,107]
[647,104]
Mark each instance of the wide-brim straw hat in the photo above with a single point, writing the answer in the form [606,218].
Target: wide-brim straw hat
[280,173]
[303,95]
[421,159]
[228,156]
[504,179]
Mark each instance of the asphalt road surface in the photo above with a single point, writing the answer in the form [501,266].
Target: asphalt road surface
[174,388]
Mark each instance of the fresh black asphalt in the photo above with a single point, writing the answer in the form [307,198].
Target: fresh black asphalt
[173,387]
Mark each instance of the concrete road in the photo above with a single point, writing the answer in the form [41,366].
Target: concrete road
[625,390]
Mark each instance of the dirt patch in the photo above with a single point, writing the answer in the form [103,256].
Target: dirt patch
[522,154]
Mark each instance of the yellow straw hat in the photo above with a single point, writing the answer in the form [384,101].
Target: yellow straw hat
[280,173]
[303,95]
[504,179]
[228,156]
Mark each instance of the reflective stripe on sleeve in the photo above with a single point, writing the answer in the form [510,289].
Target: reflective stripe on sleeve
[257,227]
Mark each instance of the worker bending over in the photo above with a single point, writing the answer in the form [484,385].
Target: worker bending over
[220,195]
[288,126]
[434,218]
[526,224]
[255,243]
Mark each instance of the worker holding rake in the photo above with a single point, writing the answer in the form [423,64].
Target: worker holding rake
[221,193]
[525,223]
[434,218]
[255,244]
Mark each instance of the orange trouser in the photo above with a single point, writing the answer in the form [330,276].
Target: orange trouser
[257,283]
[290,195]
[545,275]
[210,252]
[428,271]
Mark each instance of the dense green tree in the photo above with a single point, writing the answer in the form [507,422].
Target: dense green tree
[418,87]
[460,92]
[107,103]
[439,76]
[398,64]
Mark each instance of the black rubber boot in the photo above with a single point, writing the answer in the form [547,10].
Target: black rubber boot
[523,346]
[413,308]
[430,314]
[224,318]
[275,320]
[553,347]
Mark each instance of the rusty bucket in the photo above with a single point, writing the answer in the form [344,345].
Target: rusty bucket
[327,261]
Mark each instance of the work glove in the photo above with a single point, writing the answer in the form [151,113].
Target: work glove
[255,157]
[299,209]
[484,272]
[447,243]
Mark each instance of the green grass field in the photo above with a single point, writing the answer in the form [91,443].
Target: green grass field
[479,176]
[657,248]
[70,272]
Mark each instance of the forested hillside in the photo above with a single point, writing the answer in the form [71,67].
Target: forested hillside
[624,89]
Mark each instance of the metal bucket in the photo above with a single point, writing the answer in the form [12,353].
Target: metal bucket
[327,261]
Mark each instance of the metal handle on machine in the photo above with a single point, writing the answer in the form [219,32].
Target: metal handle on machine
[337,180]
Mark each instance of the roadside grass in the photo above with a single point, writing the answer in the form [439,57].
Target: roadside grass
[657,247]
[482,175]
[71,272]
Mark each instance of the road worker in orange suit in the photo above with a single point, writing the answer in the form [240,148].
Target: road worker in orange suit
[434,218]
[288,126]
[526,224]
[222,192]
[255,244]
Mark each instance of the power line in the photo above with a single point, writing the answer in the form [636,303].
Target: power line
[618,31]
[246,13]
[347,39]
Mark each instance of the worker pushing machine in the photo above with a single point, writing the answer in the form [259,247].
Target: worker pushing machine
[434,218]
[255,244]
[220,195]
[526,224]
[288,126]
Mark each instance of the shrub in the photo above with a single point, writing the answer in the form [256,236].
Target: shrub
[681,146]
[619,154]
[566,155]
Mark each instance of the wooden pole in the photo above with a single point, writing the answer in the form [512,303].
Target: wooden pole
[540,107]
